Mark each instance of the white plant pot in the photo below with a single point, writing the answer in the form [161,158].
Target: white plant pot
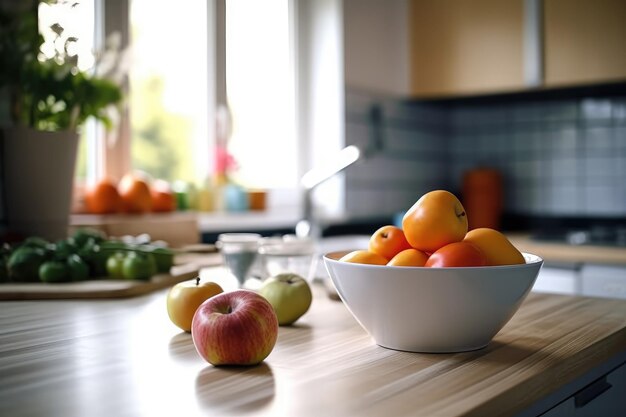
[37,181]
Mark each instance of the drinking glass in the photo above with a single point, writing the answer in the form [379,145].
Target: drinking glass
[239,251]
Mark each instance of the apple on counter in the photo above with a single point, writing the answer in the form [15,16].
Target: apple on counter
[235,328]
[184,298]
[290,296]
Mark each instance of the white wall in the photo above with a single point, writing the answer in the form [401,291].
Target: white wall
[376,46]
[320,94]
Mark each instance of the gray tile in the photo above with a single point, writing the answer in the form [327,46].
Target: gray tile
[595,109]
[527,111]
[564,140]
[559,111]
[564,199]
[620,137]
[563,167]
[619,110]
[601,200]
[599,140]
[602,167]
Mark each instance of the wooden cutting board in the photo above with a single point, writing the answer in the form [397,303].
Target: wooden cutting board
[187,267]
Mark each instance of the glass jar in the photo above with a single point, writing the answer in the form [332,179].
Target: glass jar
[239,251]
[288,254]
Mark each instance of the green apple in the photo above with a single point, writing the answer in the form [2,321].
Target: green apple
[289,294]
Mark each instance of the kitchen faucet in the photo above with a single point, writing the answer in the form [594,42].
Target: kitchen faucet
[309,226]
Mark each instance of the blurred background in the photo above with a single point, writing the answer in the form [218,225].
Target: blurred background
[228,103]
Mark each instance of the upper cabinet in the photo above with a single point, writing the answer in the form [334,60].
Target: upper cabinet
[460,47]
[585,41]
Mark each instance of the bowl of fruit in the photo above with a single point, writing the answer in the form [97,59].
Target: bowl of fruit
[432,285]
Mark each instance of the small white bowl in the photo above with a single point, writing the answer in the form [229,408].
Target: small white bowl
[436,310]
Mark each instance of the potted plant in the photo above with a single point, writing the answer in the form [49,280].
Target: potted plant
[49,99]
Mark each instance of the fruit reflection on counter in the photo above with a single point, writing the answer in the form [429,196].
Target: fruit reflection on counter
[235,328]
[87,254]
[435,234]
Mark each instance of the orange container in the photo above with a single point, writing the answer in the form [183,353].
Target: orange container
[483,198]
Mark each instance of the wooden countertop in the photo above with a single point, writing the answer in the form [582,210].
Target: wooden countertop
[559,252]
[124,357]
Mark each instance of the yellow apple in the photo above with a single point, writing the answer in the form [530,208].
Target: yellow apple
[184,298]
[435,220]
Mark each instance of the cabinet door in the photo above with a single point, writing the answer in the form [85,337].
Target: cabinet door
[465,47]
[585,41]
[603,397]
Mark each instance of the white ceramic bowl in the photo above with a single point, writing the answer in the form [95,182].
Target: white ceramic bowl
[420,309]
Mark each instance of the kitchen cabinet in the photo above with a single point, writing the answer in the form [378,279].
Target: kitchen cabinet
[584,41]
[459,47]
[466,47]
[602,397]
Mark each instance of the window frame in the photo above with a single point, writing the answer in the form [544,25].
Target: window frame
[112,153]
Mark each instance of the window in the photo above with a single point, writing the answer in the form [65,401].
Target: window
[170,129]
[260,92]
[77,21]
[169,89]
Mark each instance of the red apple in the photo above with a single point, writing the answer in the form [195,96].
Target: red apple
[235,328]
[457,254]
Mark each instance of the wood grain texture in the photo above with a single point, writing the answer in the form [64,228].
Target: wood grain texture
[124,357]
[177,228]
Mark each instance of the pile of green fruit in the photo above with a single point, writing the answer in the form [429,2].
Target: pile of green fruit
[87,254]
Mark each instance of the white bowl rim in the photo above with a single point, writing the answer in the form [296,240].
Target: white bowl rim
[531,259]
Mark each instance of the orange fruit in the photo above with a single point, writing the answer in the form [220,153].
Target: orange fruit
[436,219]
[388,241]
[364,257]
[135,193]
[102,197]
[409,257]
[163,198]
[497,248]
[457,254]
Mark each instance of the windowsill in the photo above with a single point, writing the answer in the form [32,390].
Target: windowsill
[276,218]
[207,222]
[186,227]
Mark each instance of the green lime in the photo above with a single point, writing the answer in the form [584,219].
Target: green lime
[54,271]
[83,236]
[64,248]
[24,264]
[115,264]
[78,269]
[139,266]
[164,257]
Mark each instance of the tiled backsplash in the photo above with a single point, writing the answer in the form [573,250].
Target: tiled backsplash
[412,159]
[563,157]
